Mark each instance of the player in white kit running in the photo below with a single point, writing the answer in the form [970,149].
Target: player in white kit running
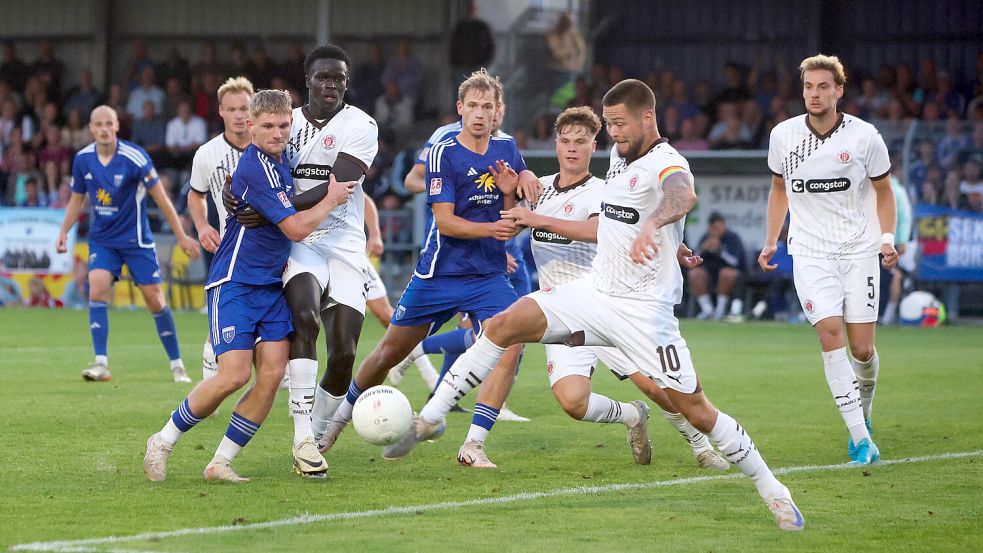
[627,301]
[824,164]
[214,162]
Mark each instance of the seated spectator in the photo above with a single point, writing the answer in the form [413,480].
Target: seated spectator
[934,185]
[8,120]
[542,137]
[61,197]
[75,134]
[150,132]
[951,196]
[724,266]
[48,69]
[84,97]
[76,294]
[174,94]
[259,69]
[39,295]
[947,96]
[147,91]
[690,140]
[21,163]
[405,70]
[55,161]
[10,294]
[773,300]
[116,99]
[919,167]
[754,120]
[394,110]
[872,100]
[140,61]
[954,141]
[681,101]
[185,133]
[972,184]
[729,132]
[367,79]
[975,146]
[670,125]
[33,197]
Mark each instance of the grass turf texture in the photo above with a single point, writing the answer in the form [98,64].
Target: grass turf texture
[71,454]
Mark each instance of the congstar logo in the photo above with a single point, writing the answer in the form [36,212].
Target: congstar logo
[618,213]
[311,171]
[541,235]
[819,186]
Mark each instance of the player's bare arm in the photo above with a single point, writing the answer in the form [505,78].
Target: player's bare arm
[581,231]
[373,243]
[887,214]
[458,227]
[198,208]
[529,187]
[777,210]
[187,243]
[72,212]
[415,180]
[297,226]
[678,198]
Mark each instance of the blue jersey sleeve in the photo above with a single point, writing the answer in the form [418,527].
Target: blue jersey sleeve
[269,199]
[518,164]
[440,177]
[145,167]
[78,175]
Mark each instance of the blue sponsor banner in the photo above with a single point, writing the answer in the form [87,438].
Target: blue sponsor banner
[951,244]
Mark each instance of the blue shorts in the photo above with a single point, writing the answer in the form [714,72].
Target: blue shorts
[520,280]
[435,300]
[142,262]
[241,315]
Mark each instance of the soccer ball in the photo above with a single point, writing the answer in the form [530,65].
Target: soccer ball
[381,415]
[921,309]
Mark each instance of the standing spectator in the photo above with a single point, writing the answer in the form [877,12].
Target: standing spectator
[174,93]
[542,134]
[367,80]
[148,90]
[947,96]
[872,101]
[568,52]
[185,133]
[259,69]
[55,160]
[150,132]
[75,134]
[116,99]
[208,63]
[670,126]
[393,110]
[405,70]
[12,69]
[953,142]
[175,67]
[471,48]
[734,90]
[49,69]
[83,97]
[292,69]
[724,265]
[681,101]
[140,62]
[206,101]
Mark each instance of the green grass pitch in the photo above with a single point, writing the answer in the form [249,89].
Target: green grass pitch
[70,457]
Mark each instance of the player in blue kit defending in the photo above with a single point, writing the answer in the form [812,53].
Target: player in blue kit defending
[462,267]
[247,311]
[118,176]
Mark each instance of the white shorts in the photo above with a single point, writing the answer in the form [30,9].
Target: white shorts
[563,360]
[848,288]
[345,275]
[646,332]
[377,289]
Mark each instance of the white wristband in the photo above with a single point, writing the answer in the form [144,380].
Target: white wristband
[887,238]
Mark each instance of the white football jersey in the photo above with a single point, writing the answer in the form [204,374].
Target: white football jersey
[214,160]
[827,180]
[313,148]
[559,259]
[632,192]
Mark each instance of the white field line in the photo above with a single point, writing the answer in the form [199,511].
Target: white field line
[86,545]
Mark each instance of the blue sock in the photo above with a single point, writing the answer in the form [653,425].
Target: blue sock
[183,418]
[455,341]
[484,416]
[353,392]
[167,333]
[99,326]
[241,429]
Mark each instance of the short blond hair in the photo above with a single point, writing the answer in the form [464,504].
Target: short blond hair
[483,81]
[582,116]
[235,85]
[270,101]
[820,62]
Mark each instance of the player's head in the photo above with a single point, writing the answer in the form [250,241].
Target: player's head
[478,100]
[629,115]
[576,129]
[326,71]
[270,114]
[822,83]
[233,104]
[104,124]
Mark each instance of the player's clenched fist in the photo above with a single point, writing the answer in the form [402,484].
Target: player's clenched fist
[889,256]
[502,229]
[339,192]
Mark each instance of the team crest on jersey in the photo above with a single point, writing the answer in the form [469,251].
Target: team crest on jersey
[548,290]
[117,180]
[435,185]
[328,142]
[633,183]
[844,156]
[549,368]
[150,177]
[283,198]
[228,333]
[568,208]
[810,307]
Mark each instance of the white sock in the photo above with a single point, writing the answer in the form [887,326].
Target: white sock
[704,301]
[302,376]
[606,410]
[325,406]
[843,385]
[344,411]
[736,306]
[102,360]
[170,433]
[736,445]
[427,371]
[470,369]
[227,449]
[697,440]
[209,367]
[718,311]
[177,364]
[866,373]
[477,433]
[417,351]
[759,309]
[890,313]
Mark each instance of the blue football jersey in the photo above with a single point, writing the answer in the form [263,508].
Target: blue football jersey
[256,255]
[461,177]
[118,193]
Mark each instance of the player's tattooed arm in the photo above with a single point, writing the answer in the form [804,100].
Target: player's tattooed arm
[678,198]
